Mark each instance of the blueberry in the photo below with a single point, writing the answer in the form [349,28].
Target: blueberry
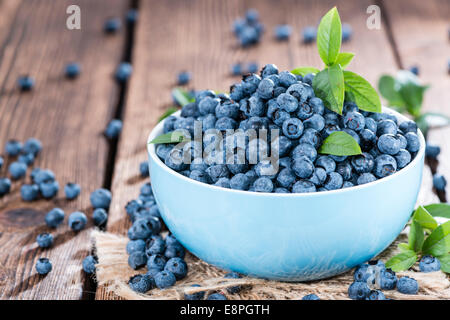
[174,250]
[227,109]
[429,264]
[112,25]
[234,289]
[403,157]
[208,105]
[316,121]
[216,296]
[319,176]
[144,169]
[72,70]
[362,273]
[132,16]
[286,178]
[311,136]
[292,128]
[137,260]
[89,264]
[326,163]
[308,78]
[29,192]
[354,121]
[265,88]
[376,295]
[331,118]
[303,167]
[101,198]
[311,297]
[44,240]
[263,184]
[347,184]
[303,186]
[407,285]
[250,83]
[371,125]
[168,124]
[77,221]
[183,78]
[155,246]
[162,150]
[439,182]
[408,126]
[358,291]
[305,111]
[280,116]
[387,279]
[141,283]
[309,34]
[236,69]
[13,148]
[223,182]
[287,102]
[17,170]
[346,32]
[26,83]
[99,216]
[413,142]
[329,129]
[317,105]
[281,190]
[256,107]
[199,295]
[366,178]
[338,158]
[164,279]
[252,67]
[363,163]
[49,189]
[72,190]
[43,266]
[178,267]
[123,72]
[225,123]
[1,162]
[239,182]
[218,171]
[386,127]
[113,129]
[432,151]
[283,32]
[135,246]
[54,217]
[44,176]
[141,229]
[345,170]
[269,69]
[367,139]
[27,159]
[385,165]
[333,181]
[287,79]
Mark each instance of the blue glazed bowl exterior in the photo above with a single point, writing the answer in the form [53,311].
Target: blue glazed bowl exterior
[287,237]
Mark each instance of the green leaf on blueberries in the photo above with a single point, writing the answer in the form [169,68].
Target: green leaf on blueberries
[329,37]
[403,247]
[411,91]
[344,58]
[182,97]
[328,85]
[438,242]
[416,237]
[402,261]
[167,113]
[445,262]
[439,210]
[360,91]
[303,71]
[387,88]
[424,218]
[170,137]
[340,143]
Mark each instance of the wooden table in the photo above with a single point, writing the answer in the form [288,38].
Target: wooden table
[70,116]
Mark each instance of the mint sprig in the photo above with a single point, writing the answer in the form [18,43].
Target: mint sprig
[340,143]
[330,83]
[170,137]
[426,237]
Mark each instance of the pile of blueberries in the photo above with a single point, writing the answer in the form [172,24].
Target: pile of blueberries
[284,101]
[163,257]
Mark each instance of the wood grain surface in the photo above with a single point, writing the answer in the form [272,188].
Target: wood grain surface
[68,116]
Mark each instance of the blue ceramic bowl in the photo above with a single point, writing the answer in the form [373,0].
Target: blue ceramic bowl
[287,237]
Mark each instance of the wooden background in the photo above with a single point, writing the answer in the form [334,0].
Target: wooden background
[171,35]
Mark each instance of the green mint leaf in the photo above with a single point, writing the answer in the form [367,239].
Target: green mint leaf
[361,92]
[403,247]
[416,237]
[303,71]
[182,97]
[340,143]
[439,210]
[402,261]
[387,88]
[445,262]
[168,112]
[170,137]
[344,58]
[438,242]
[328,85]
[424,218]
[329,37]
[411,91]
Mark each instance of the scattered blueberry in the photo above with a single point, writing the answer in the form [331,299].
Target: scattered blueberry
[101,198]
[49,189]
[112,25]
[54,218]
[89,264]
[137,260]
[77,221]
[432,151]
[43,266]
[407,285]
[414,69]
[309,34]
[165,279]
[216,296]
[183,78]
[13,148]
[26,159]
[178,267]
[26,83]
[283,32]
[113,129]
[29,192]
[346,32]
[99,216]
[439,182]
[44,240]
[387,279]
[311,296]
[123,72]
[73,70]
[141,283]
[132,16]
[72,190]
[429,264]
[252,67]
[135,246]
[195,296]
[17,170]
[249,30]
[358,291]
[143,169]
[376,295]
[234,289]
[236,69]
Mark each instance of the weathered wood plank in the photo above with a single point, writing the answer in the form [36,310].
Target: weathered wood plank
[68,117]
[420,33]
[201,41]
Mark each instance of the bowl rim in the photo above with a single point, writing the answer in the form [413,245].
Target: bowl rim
[151,149]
